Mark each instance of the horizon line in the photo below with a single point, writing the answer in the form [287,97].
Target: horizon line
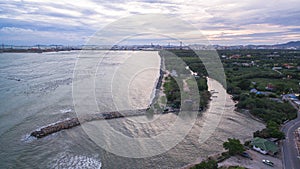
[66,45]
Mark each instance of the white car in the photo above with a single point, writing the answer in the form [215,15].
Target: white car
[268,162]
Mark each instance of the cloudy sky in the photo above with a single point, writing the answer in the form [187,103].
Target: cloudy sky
[224,22]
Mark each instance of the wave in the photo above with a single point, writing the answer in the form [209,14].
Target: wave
[63,111]
[70,160]
[28,138]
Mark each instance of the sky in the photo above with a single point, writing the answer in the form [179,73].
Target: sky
[223,22]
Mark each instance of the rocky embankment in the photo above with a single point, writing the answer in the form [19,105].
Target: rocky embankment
[70,123]
[66,124]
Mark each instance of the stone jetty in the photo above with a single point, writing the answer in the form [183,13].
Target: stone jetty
[66,124]
[72,122]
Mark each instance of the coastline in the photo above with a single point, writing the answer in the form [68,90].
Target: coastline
[231,124]
[69,123]
[187,151]
[155,95]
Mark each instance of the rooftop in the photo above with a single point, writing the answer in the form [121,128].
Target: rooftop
[265,144]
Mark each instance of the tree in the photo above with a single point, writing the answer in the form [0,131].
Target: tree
[273,129]
[233,146]
[244,85]
[210,164]
[280,87]
[236,167]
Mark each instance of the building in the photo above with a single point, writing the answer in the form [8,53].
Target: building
[253,91]
[288,97]
[174,73]
[262,93]
[270,87]
[236,56]
[288,66]
[245,64]
[297,103]
[278,100]
[264,146]
[224,56]
[277,68]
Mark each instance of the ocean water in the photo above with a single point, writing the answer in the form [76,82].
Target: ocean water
[36,90]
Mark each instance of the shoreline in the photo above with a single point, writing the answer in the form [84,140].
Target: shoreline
[77,121]
[158,84]
[230,114]
[61,50]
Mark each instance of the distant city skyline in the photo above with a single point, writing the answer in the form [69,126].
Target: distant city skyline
[230,22]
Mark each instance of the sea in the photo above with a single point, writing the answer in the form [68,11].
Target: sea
[38,89]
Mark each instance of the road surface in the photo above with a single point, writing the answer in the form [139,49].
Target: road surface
[289,149]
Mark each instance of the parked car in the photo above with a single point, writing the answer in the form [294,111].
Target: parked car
[267,162]
[246,155]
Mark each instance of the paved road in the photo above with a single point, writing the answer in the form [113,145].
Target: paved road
[289,150]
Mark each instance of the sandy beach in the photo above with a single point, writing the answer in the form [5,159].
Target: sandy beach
[229,124]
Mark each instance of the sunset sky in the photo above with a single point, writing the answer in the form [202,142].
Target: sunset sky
[224,22]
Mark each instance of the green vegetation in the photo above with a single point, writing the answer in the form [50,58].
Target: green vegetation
[172,91]
[181,62]
[189,58]
[208,164]
[272,130]
[271,112]
[281,85]
[232,167]
[236,167]
[253,69]
[256,66]
[266,109]
[233,146]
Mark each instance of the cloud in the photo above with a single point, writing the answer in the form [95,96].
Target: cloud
[39,37]
[223,22]
[15,30]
